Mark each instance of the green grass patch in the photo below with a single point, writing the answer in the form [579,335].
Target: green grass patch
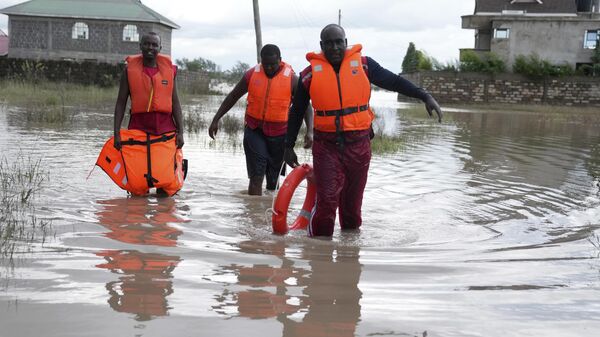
[381,144]
[55,94]
[48,114]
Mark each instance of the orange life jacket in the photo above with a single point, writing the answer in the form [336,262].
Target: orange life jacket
[269,98]
[144,161]
[150,94]
[344,95]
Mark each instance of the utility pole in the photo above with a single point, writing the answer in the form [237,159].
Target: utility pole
[339,17]
[257,29]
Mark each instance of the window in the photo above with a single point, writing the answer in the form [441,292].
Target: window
[80,31]
[590,40]
[130,33]
[501,33]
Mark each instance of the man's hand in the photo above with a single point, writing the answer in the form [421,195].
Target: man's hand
[179,140]
[431,104]
[308,140]
[290,157]
[213,128]
[117,141]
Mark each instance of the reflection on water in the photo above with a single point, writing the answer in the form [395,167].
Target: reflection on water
[319,299]
[146,278]
[484,225]
[145,283]
[140,220]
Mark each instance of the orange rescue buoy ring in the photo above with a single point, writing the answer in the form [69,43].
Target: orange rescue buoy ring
[284,196]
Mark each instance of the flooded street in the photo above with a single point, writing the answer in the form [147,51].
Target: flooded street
[483,225]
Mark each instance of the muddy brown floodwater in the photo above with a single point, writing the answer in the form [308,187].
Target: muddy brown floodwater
[483,225]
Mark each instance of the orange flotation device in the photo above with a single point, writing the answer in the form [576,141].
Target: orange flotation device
[284,196]
[144,161]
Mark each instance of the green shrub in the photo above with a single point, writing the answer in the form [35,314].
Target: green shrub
[533,67]
[488,63]
[424,62]
[452,66]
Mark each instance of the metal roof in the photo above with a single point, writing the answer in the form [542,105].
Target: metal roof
[123,10]
[545,7]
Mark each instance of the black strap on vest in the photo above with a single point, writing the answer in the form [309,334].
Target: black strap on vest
[149,178]
[163,138]
[342,112]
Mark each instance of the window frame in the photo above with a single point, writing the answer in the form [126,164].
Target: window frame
[135,37]
[507,30]
[586,42]
[80,31]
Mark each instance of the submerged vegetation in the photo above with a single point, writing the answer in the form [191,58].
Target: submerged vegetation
[46,93]
[231,124]
[20,181]
[194,120]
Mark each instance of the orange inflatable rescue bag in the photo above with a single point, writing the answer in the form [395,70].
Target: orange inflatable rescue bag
[144,161]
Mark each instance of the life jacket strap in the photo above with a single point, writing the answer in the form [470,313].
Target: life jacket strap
[148,176]
[162,138]
[342,112]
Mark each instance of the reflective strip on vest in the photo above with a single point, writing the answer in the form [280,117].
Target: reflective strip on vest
[269,98]
[117,168]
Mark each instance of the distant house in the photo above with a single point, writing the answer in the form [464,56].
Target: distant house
[560,31]
[3,43]
[92,30]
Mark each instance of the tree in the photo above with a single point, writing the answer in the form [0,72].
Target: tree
[424,62]
[236,72]
[198,64]
[410,63]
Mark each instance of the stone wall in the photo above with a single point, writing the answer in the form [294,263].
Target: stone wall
[468,88]
[51,39]
[193,82]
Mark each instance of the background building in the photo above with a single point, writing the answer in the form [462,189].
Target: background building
[560,31]
[82,30]
[3,43]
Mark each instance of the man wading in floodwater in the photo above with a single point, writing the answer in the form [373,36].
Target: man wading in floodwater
[338,82]
[149,79]
[270,86]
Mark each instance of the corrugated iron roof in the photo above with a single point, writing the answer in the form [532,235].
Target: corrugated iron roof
[125,10]
[547,6]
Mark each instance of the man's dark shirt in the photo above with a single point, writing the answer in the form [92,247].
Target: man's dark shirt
[376,74]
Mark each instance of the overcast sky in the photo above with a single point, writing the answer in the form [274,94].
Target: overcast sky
[223,30]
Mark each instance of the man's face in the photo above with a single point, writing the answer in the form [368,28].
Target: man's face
[333,45]
[150,46]
[270,64]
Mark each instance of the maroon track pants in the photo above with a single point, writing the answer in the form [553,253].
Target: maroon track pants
[341,177]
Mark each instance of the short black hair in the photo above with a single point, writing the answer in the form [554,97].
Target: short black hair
[332,25]
[270,49]
[151,34]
